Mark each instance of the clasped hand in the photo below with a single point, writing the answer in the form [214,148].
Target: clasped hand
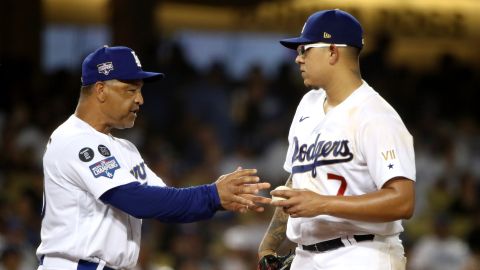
[299,202]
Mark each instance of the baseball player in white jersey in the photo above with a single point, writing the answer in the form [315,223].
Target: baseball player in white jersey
[350,156]
[98,188]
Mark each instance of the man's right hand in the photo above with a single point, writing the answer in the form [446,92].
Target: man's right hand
[237,190]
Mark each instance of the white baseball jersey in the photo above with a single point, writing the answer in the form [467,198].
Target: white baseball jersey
[352,150]
[80,164]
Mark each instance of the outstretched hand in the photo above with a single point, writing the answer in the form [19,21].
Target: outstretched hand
[237,190]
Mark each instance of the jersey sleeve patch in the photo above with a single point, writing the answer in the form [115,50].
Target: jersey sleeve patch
[86,154]
[102,149]
[106,167]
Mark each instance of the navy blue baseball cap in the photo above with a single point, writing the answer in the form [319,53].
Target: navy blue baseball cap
[109,63]
[330,26]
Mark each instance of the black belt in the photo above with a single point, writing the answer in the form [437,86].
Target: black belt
[335,243]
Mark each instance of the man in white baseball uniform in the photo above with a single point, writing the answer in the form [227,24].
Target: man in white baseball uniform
[350,156]
[97,188]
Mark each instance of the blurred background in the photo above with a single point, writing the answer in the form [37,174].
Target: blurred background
[228,99]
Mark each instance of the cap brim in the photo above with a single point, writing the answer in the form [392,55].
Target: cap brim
[292,43]
[147,76]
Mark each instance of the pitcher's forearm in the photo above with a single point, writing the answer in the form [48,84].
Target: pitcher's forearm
[275,234]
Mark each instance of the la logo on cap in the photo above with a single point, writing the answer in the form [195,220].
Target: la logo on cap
[326,35]
[303,28]
[136,59]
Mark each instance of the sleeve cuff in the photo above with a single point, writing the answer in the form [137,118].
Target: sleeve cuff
[212,189]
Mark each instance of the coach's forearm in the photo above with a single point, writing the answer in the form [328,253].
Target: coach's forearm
[166,204]
[393,202]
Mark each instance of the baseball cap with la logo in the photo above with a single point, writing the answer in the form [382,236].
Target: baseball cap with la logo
[109,63]
[333,26]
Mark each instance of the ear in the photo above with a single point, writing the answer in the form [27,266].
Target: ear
[99,90]
[334,55]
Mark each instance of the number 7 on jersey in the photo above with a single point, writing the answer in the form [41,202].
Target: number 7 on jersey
[343,182]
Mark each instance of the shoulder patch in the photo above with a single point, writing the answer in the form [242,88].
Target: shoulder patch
[106,167]
[104,150]
[86,154]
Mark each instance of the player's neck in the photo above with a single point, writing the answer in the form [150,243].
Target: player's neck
[339,90]
[85,114]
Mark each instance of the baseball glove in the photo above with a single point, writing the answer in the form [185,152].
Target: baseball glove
[272,262]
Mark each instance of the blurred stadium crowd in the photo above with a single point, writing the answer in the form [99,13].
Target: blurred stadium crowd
[198,124]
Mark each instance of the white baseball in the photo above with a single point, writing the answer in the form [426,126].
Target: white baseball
[276,198]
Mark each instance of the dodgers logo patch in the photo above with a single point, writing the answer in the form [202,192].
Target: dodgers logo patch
[105,68]
[106,167]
